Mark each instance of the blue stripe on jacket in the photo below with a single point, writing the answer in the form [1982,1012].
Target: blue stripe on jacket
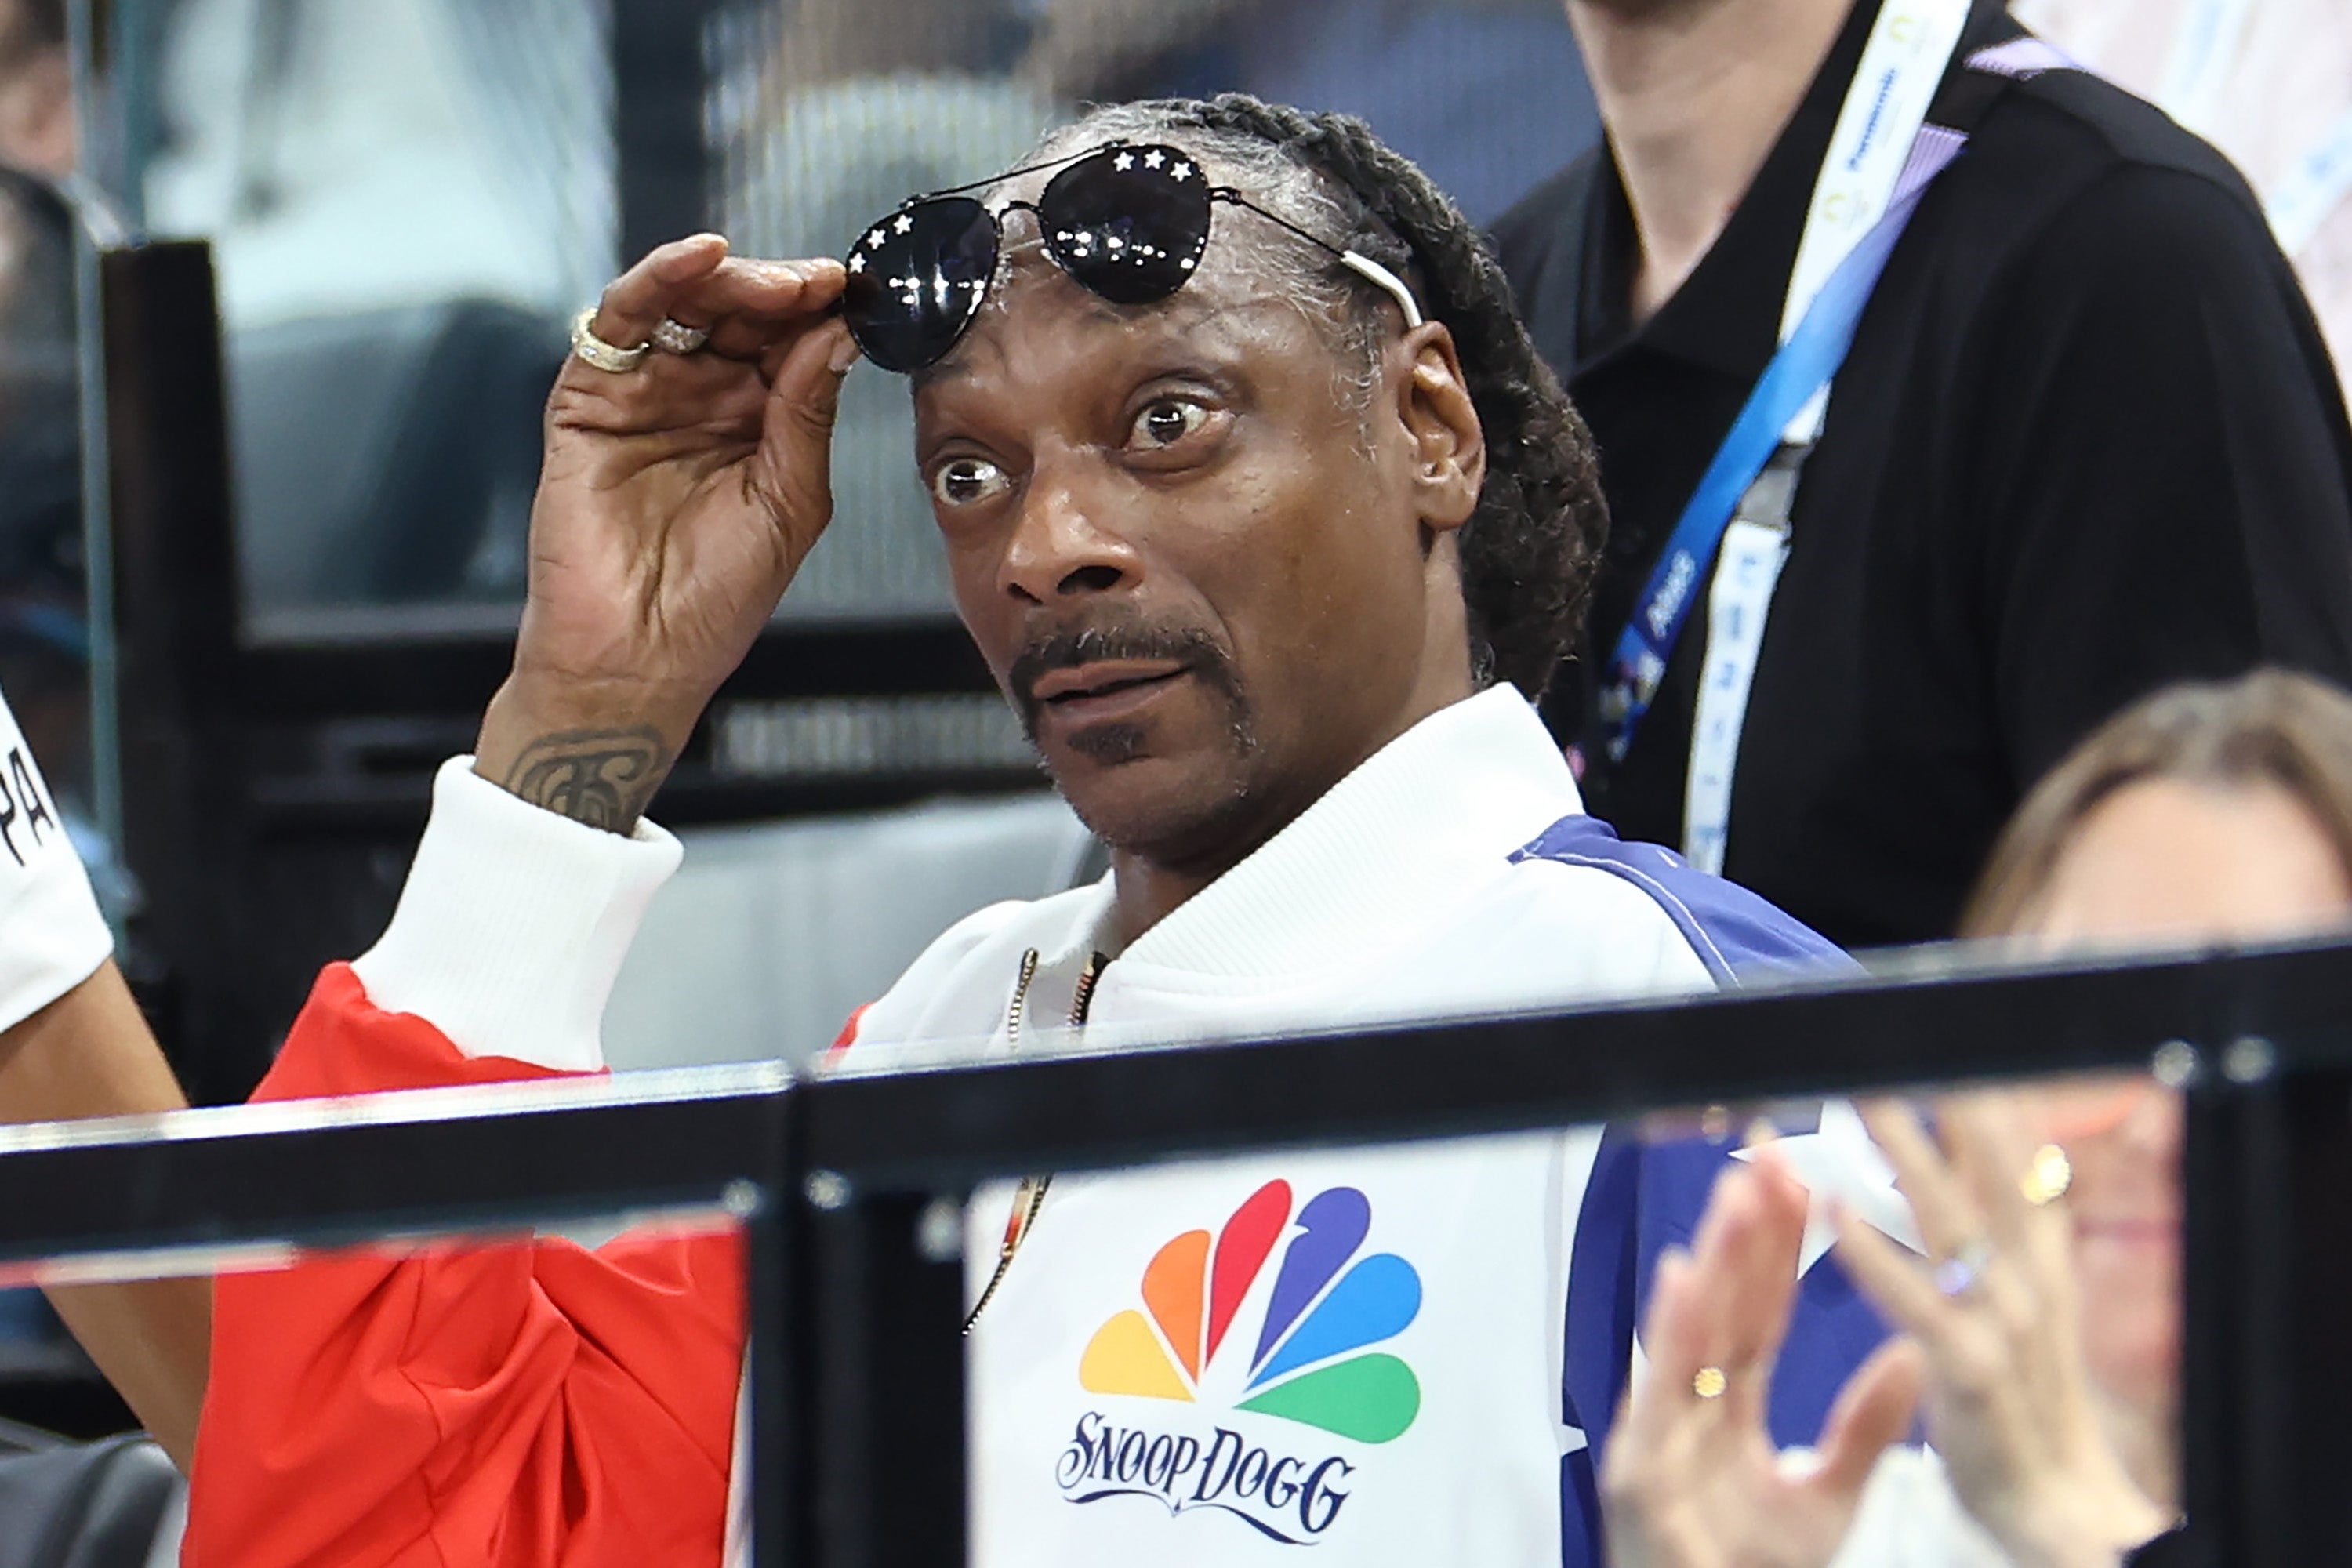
[1646,1196]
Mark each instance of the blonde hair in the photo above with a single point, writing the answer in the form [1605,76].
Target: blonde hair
[2273,727]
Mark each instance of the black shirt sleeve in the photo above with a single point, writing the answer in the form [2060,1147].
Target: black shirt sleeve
[2166,490]
[2169,1550]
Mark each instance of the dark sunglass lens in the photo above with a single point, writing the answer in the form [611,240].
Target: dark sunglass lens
[916,279]
[1128,222]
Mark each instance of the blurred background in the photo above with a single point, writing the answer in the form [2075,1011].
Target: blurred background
[283,284]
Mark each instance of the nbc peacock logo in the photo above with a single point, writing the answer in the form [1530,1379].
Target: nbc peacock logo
[1310,1360]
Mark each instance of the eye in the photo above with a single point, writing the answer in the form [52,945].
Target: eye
[967,481]
[1168,420]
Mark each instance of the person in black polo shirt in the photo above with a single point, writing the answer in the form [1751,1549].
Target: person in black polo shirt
[2085,439]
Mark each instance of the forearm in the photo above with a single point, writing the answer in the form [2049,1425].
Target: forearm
[593,750]
[89,1053]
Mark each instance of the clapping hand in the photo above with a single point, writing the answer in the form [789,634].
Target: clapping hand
[1692,1478]
[675,501]
[2010,1405]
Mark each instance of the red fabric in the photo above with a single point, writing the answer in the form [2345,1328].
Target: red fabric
[848,1037]
[533,1406]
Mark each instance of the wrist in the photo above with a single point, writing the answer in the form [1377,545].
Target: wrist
[2092,1528]
[592,752]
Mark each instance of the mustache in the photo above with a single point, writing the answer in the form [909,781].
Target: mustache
[1069,646]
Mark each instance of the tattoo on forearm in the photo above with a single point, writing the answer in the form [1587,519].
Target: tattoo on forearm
[601,777]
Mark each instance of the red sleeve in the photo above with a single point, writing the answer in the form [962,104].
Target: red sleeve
[517,1406]
[848,1037]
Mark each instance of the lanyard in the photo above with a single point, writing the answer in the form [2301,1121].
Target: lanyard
[1756,544]
[1879,160]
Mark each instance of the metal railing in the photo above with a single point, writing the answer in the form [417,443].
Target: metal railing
[854,1323]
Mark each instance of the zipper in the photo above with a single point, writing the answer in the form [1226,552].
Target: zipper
[1030,1195]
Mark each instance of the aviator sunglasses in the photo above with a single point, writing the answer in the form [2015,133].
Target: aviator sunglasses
[1127,223]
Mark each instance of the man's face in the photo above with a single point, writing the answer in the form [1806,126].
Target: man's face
[1191,552]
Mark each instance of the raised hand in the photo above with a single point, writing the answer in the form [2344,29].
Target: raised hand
[2009,1404]
[676,501]
[1692,1478]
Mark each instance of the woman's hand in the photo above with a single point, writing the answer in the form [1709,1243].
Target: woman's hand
[1696,1482]
[676,501]
[2009,1404]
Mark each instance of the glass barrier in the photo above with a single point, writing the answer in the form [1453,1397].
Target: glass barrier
[140,1317]
[407,202]
[1457,1292]
[55,644]
[1472,1350]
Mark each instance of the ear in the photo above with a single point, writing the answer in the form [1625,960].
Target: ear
[1448,444]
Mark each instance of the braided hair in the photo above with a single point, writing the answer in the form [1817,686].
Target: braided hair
[1529,551]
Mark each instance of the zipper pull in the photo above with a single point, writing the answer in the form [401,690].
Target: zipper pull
[1083,999]
[1020,999]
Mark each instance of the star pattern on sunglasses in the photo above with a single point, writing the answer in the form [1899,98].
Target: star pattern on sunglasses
[1127,223]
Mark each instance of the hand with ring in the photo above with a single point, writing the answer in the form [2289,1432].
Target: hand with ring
[2009,1404]
[1691,1477]
[685,479]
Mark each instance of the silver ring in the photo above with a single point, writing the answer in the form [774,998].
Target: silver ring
[677,337]
[1960,1274]
[594,351]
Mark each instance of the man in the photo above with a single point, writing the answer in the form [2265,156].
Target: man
[72,1044]
[1269,558]
[2085,441]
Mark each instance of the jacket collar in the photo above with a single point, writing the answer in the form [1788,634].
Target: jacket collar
[1420,821]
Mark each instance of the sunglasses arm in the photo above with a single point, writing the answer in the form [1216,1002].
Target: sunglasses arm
[1388,282]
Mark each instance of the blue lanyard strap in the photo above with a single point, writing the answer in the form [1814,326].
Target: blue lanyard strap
[1805,364]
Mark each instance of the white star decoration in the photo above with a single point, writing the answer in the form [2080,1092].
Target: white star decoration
[1181,172]
[1153,159]
[874,239]
[1123,162]
[857,264]
[1840,1162]
[905,225]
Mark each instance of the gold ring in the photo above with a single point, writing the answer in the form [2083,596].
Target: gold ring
[1709,1382]
[676,338]
[2047,1178]
[594,351]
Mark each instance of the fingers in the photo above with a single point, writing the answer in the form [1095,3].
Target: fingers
[744,304]
[749,306]
[1725,1303]
[1758,1287]
[1991,1149]
[1897,1283]
[1676,1336]
[794,472]
[1948,1215]
[760,316]
[634,303]
[1874,1409]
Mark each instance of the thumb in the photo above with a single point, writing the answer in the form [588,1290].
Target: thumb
[1872,1410]
[803,399]
[806,385]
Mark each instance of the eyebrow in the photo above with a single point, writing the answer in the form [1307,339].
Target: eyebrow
[954,367]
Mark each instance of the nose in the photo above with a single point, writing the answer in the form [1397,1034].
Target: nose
[1060,548]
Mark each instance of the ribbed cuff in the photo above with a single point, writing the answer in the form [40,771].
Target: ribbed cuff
[513,924]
